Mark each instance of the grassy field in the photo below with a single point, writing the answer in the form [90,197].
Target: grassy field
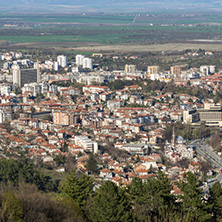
[154,47]
[95,19]
[154,18]
[111,35]
[103,30]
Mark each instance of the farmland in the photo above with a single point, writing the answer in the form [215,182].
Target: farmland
[102,30]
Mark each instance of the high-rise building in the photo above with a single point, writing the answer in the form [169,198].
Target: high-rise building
[206,70]
[23,76]
[87,63]
[130,68]
[79,60]
[152,70]
[62,60]
[176,71]
[56,66]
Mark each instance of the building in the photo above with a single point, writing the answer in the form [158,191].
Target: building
[95,89]
[79,60]
[152,70]
[62,60]
[210,114]
[130,68]
[95,78]
[87,63]
[86,143]
[176,71]
[23,76]
[138,148]
[206,70]
[65,118]
[5,115]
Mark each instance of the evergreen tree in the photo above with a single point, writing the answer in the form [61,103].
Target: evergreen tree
[91,165]
[215,201]
[152,199]
[110,203]
[79,189]
[193,206]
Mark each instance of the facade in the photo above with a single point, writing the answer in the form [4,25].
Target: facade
[206,70]
[79,60]
[65,118]
[87,63]
[130,68]
[86,143]
[62,60]
[95,89]
[176,71]
[211,115]
[23,76]
[152,70]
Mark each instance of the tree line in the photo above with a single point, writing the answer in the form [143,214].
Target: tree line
[32,197]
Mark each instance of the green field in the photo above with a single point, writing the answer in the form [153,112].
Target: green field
[71,19]
[108,29]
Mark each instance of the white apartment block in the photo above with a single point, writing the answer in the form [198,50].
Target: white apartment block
[79,60]
[87,63]
[62,60]
[86,143]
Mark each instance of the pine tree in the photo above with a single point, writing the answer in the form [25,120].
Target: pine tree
[91,165]
[193,206]
[78,189]
[152,199]
[215,201]
[110,203]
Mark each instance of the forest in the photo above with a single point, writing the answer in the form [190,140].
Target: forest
[27,195]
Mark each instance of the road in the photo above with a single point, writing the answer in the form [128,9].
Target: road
[204,150]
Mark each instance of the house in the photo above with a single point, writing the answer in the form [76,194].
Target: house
[105,174]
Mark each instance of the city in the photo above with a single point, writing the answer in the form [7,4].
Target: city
[112,125]
[110,111]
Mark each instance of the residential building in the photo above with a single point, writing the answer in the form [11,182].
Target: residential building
[79,60]
[87,63]
[152,70]
[62,60]
[130,68]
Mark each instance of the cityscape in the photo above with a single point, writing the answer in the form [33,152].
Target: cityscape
[110,115]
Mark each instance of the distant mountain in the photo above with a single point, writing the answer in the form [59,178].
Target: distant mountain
[145,4]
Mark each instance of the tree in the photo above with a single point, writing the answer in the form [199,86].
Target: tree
[15,172]
[192,206]
[64,147]
[152,199]
[11,209]
[216,201]
[215,141]
[137,159]
[91,165]
[79,189]
[110,203]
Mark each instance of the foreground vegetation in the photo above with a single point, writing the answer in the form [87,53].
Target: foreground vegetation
[80,198]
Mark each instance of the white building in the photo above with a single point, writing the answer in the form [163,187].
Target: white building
[5,115]
[87,63]
[62,60]
[16,74]
[86,143]
[79,60]
[206,70]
